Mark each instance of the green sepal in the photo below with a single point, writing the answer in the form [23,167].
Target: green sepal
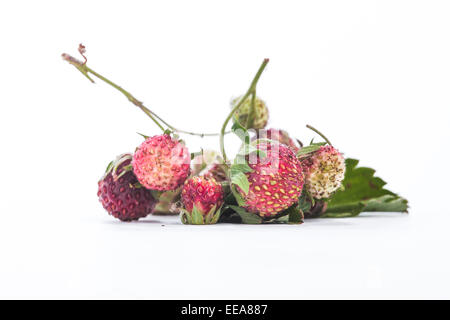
[307,150]
[197,217]
[216,217]
[125,169]
[136,185]
[109,167]
[143,135]
[168,132]
[185,217]
[209,215]
[213,215]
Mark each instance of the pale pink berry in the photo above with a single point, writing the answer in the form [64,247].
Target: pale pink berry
[161,163]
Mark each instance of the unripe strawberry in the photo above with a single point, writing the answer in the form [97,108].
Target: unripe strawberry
[210,165]
[203,160]
[161,163]
[276,181]
[121,194]
[324,172]
[260,115]
[216,171]
[202,199]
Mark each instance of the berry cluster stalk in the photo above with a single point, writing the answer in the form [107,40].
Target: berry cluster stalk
[251,91]
[319,133]
[85,70]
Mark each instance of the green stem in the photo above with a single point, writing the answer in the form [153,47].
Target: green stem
[251,114]
[152,115]
[129,96]
[251,90]
[319,133]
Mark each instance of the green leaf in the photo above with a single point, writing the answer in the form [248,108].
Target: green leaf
[362,191]
[241,167]
[387,203]
[247,217]
[239,179]
[345,210]
[308,149]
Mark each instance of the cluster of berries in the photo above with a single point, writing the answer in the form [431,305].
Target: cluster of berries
[269,178]
[133,184]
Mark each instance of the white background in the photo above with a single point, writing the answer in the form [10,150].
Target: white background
[373,75]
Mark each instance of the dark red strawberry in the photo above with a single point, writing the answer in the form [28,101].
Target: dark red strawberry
[121,194]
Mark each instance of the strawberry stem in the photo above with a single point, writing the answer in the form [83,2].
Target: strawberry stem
[319,133]
[251,91]
[129,96]
[251,114]
[85,70]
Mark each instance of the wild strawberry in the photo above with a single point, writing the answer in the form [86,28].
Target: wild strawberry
[276,181]
[324,172]
[202,199]
[210,165]
[161,163]
[120,193]
[203,160]
[259,117]
[216,171]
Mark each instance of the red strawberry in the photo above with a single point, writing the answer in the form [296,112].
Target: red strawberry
[276,181]
[202,199]
[121,194]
